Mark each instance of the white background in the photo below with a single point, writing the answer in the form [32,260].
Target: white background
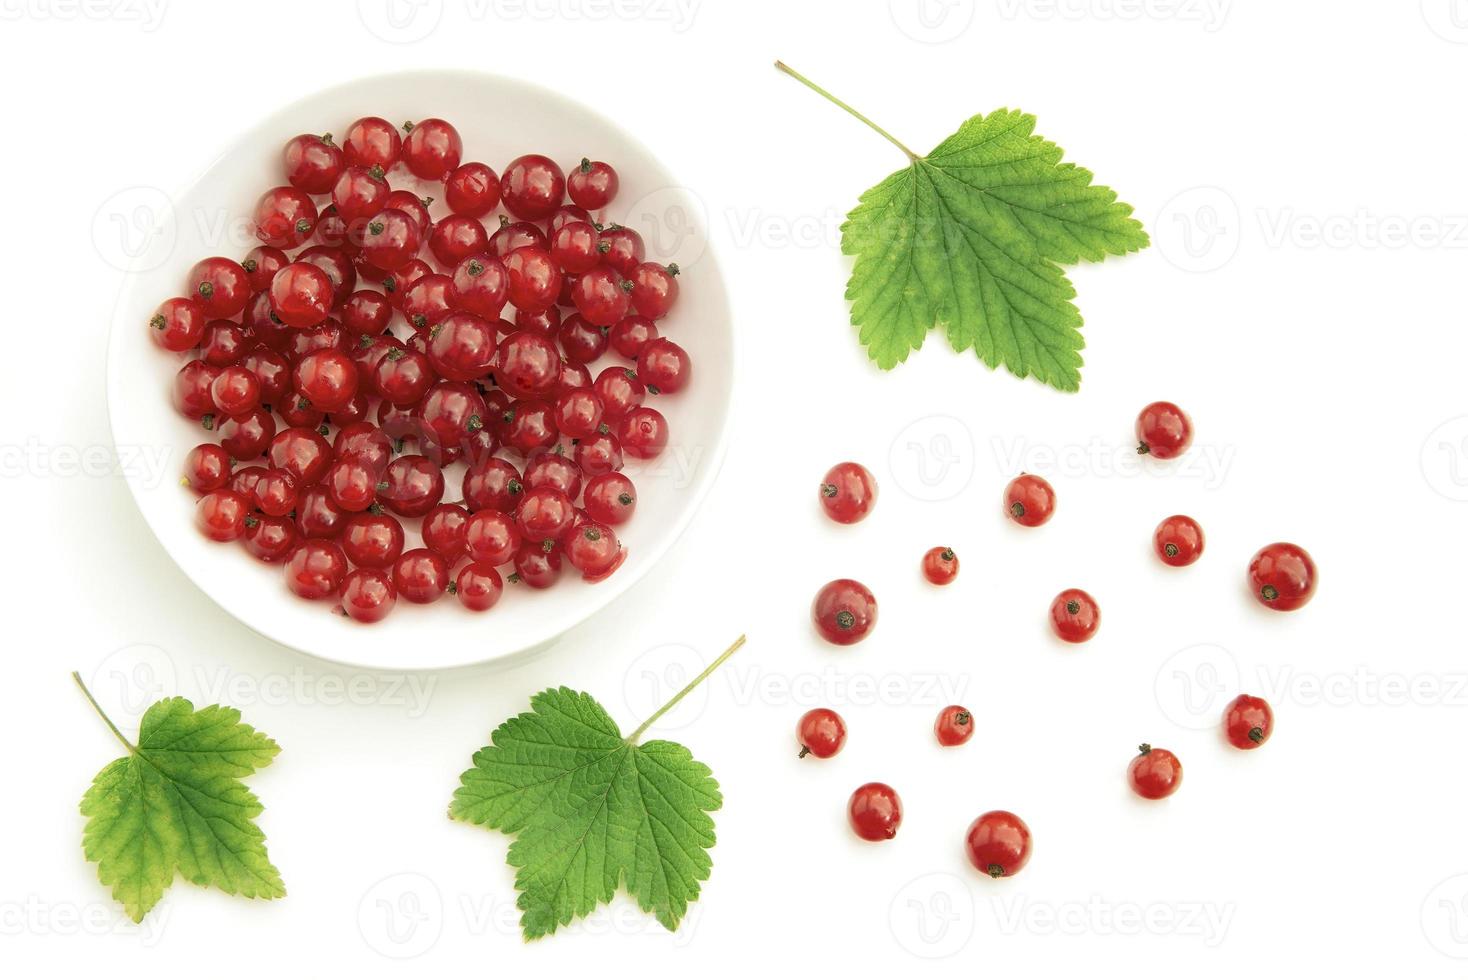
[1301,168]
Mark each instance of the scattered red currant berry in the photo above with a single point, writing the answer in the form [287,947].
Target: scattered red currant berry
[1154,774]
[1178,541]
[420,575]
[820,732]
[875,811]
[472,189]
[220,285]
[478,586]
[1282,576]
[593,550]
[643,432]
[178,324]
[664,366]
[998,843]
[654,289]
[1163,431]
[284,217]
[368,595]
[315,569]
[1075,616]
[312,163]
[592,185]
[1029,500]
[848,493]
[431,149]
[532,187]
[940,565]
[1248,722]
[269,539]
[301,295]
[372,539]
[372,142]
[844,611]
[610,499]
[955,725]
[491,537]
[207,468]
[221,514]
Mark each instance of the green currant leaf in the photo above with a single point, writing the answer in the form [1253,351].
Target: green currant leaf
[591,810]
[971,239]
[175,804]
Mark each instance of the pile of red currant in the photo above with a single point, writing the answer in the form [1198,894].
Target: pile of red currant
[1281,576]
[495,371]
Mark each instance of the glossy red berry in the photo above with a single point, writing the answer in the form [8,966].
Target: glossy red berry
[533,281]
[532,187]
[220,515]
[593,550]
[630,334]
[621,248]
[178,324]
[1154,774]
[261,263]
[848,493]
[491,537]
[312,163]
[284,217]
[998,843]
[303,452]
[940,565]
[461,346]
[326,378]
[372,142]
[643,432]
[820,732]
[602,296]
[224,343]
[1029,500]
[610,498]
[372,539]
[1163,430]
[664,366]
[654,289]
[269,539]
[478,586]
[620,391]
[315,569]
[368,595]
[220,285]
[1282,576]
[207,467]
[457,237]
[528,365]
[358,194]
[493,484]
[592,184]
[511,235]
[431,149]
[391,239]
[1178,541]
[1248,722]
[874,811]
[954,726]
[246,436]
[444,531]
[578,412]
[301,295]
[479,286]
[538,564]
[411,486]
[420,575]
[1074,616]
[317,515]
[472,189]
[574,247]
[235,391]
[276,493]
[844,611]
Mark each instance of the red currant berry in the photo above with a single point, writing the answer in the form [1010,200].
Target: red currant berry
[454,412]
[528,365]
[269,539]
[414,207]
[411,486]
[326,378]
[298,412]
[533,281]
[516,234]
[491,537]
[848,493]
[630,334]
[248,435]
[244,480]
[472,189]
[391,239]
[372,540]
[372,142]
[352,484]
[1178,541]
[403,377]
[532,187]
[224,343]
[578,412]
[275,493]
[601,296]
[312,163]
[875,811]
[554,470]
[493,484]
[220,515]
[192,394]
[368,595]
[538,564]
[593,550]
[235,391]
[284,217]
[426,302]
[338,266]
[444,531]
[1074,616]
[366,313]
[1154,773]
[599,453]
[457,237]
[302,452]
[574,247]
[420,575]
[358,194]
[178,324]
[621,248]
[643,432]
[478,586]
[582,342]
[461,346]
[620,391]
[1282,576]
[272,370]
[940,565]
[261,264]
[317,516]
[431,149]
[1163,430]
[654,289]
[610,499]
[592,185]
[207,467]
[955,725]
[1029,500]
[220,285]
[998,843]
[545,513]
[364,443]
[315,569]
[820,732]
[844,611]
[301,295]
[664,366]
[1248,722]
[479,286]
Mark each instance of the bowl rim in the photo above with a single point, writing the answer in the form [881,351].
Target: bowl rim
[607,591]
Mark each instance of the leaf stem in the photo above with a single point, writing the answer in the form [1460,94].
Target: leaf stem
[703,676]
[820,91]
[102,714]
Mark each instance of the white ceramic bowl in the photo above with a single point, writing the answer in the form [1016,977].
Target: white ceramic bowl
[499,119]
